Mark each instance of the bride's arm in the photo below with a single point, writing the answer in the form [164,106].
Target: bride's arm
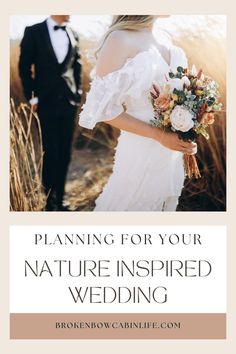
[117,48]
[168,139]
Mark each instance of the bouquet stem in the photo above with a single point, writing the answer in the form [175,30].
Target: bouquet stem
[191,166]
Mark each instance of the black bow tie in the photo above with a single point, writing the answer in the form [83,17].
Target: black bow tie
[59,27]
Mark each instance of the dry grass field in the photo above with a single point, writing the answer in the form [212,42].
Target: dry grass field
[92,155]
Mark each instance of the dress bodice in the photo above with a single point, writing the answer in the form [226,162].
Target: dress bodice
[129,86]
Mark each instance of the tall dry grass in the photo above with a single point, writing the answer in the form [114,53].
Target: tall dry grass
[16,91]
[26,193]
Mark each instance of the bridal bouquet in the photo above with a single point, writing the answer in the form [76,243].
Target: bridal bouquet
[186,105]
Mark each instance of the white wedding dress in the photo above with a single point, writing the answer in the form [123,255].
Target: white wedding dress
[146,176]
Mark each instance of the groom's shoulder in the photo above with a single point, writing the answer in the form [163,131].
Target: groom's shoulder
[36,27]
[75,33]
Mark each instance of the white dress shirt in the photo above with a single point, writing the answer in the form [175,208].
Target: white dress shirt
[60,44]
[59,40]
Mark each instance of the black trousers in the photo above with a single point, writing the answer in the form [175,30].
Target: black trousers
[57,123]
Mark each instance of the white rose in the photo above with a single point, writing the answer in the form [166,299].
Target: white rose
[178,84]
[185,80]
[175,84]
[181,119]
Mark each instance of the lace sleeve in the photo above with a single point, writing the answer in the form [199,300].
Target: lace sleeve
[103,102]
[107,94]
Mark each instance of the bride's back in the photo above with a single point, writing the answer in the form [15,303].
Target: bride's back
[123,44]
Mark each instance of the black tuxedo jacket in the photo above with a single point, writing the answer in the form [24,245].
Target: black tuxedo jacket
[40,72]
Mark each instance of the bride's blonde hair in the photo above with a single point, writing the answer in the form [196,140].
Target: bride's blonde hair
[126,22]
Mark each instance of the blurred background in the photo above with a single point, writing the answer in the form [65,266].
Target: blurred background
[204,40]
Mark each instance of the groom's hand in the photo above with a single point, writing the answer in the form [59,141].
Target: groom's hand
[34,103]
[34,107]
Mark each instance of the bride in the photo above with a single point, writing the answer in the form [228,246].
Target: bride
[148,172]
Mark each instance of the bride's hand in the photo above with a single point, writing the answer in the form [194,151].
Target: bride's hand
[171,141]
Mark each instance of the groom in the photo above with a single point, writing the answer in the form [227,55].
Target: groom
[50,68]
